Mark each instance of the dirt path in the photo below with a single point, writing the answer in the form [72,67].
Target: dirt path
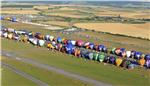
[50,68]
[27,76]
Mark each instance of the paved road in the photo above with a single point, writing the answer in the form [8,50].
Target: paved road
[50,68]
[27,76]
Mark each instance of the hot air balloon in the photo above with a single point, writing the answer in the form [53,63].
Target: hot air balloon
[118,61]
[137,55]
[142,61]
[147,57]
[14,19]
[47,37]
[59,39]
[16,37]
[91,55]
[10,36]
[91,45]
[73,42]
[95,56]
[112,60]
[125,63]
[1,17]
[101,57]
[41,43]
[80,43]
[128,54]
[69,48]
[148,63]
[11,30]
[87,45]
[113,50]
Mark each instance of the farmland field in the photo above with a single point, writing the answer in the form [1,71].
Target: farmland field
[24,11]
[141,30]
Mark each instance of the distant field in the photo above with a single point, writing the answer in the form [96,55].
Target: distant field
[139,15]
[17,11]
[57,23]
[135,30]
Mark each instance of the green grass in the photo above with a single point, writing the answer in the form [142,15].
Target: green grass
[109,74]
[52,78]
[10,78]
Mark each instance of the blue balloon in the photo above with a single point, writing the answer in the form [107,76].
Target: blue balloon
[147,57]
[69,48]
[59,39]
[14,19]
[2,17]
[137,55]
[100,47]
[91,45]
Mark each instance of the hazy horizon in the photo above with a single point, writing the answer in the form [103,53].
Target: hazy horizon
[80,0]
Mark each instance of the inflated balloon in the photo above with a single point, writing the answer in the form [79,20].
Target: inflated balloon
[16,37]
[118,61]
[101,57]
[49,45]
[51,38]
[10,35]
[1,33]
[73,42]
[41,42]
[147,57]
[91,56]
[11,30]
[14,19]
[128,54]
[112,59]
[80,43]
[91,45]
[69,48]
[100,47]
[113,50]
[47,37]
[95,56]
[59,39]
[117,51]
[142,61]
[148,63]
[35,41]
[137,55]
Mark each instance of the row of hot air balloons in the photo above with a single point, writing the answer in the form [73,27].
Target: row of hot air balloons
[76,48]
[13,19]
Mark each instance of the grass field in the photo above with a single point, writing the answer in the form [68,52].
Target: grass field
[109,74]
[118,28]
[17,11]
[49,77]
[57,23]
[10,78]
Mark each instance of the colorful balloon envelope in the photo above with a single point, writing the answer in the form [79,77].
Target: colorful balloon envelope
[142,61]
[118,61]
[59,39]
[101,57]
[41,42]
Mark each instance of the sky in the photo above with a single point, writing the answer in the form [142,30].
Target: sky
[75,0]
